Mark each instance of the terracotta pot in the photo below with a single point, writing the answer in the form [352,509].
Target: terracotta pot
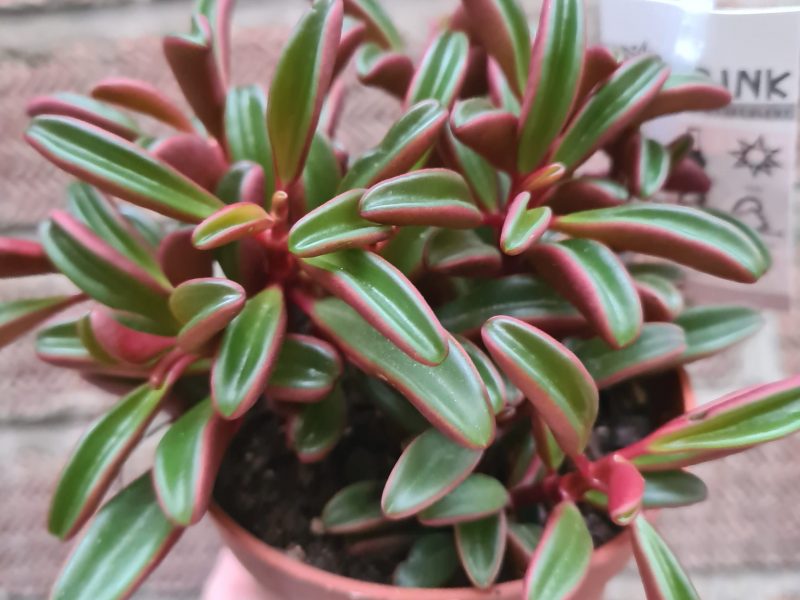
[282,577]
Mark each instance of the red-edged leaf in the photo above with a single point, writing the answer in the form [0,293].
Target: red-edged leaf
[648,166]
[119,168]
[481,545]
[199,159]
[354,509]
[380,28]
[594,279]
[598,65]
[144,98]
[714,328]
[230,224]
[20,257]
[481,177]
[450,395]
[433,197]
[306,370]
[682,234]
[405,249]
[661,573]
[243,182]
[322,173]
[317,427]
[441,73]
[219,13]
[549,575]
[611,108]
[85,109]
[353,34]
[298,88]
[489,131]
[431,563]
[522,540]
[430,467]
[523,227]
[192,59]
[390,71]
[587,193]
[383,296]
[394,405]
[180,260]
[661,299]
[688,177]
[555,74]
[491,377]
[499,89]
[461,252]
[124,344]
[478,496]
[625,489]
[549,375]
[204,307]
[682,93]
[17,317]
[186,462]
[247,353]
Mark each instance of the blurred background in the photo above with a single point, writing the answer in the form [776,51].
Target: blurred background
[743,544]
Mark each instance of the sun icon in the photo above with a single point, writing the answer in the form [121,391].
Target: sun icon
[756,156]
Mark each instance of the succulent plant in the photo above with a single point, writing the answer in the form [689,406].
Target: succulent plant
[477,274]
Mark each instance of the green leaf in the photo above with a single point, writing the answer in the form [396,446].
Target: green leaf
[431,563]
[442,70]
[204,307]
[651,168]
[119,168]
[481,545]
[230,224]
[434,197]
[549,575]
[490,376]
[519,296]
[556,66]
[379,26]
[97,459]
[394,405]
[430,467]
[663,489]
[60,344]
[355,509]
[662,574]
[549,375]
[124,543]
[298,87]
[322,173]
[315,430]
[681,234]
[655,349]
[86,109]
[450,395]
[661,298]
[614,105]
[523,226]
[476,497]
[406,248]
[479,174]
[247,353]
[103,218]
[246,132]
[461,252]
[523,538]
[305,371]
[712,329]
[594,279]
[385,298]
[186,462]
[20,316]
[333,226]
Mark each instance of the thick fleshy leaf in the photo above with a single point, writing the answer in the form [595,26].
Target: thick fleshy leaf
[502,28]
[731,424]
[88,110]
[625,490]
[353,34]
[478,496]
[549,575]
[243,182]
[118,338]
[661,298]
[441,73]
[394,405]
[656,348]
[594,279]
[379,26]
[219,13]
[119,168]
[100,270]
[181,261]
[246,132]
[384,298]
[487,130]
[481,545]
[193,62]
[306,370]
[204,307]
[199,158]
[433,197]
[315,430]
[523,538]
[611,108]
[598,65]
[335,225]
[500,90]
[587,193]
[231,224]
[549,375]
[408,140]
[247,353]
[663,489]
[298,88]
[491,377]
[390,71]
[519,296]
[450,395]
[555,74]
[60,344]
[461,252]
[745,230]
[661,573]
[355,509]
[124,543]
[406,248]
[523,226]
[186,462]
[712,329]
[19,257]
[687,92]
[143,98]
[97,459]
[649,165]
[688,177]
[430,468]
[322,173]
[431,563]
[481,176]
[17,317]
[682,234]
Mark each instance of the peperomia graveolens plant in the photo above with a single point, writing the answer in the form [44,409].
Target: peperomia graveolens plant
[480,280]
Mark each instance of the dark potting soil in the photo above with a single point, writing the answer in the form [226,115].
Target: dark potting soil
[263,486]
